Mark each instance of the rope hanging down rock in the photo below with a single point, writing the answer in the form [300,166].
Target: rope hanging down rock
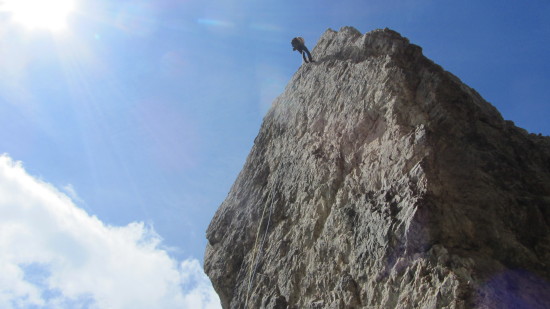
[255,259]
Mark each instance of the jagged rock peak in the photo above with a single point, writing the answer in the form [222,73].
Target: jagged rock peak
[349,43]
[379,180]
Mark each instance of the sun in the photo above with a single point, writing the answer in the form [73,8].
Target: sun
[39,14]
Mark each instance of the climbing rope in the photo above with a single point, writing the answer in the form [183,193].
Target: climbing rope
[255,259]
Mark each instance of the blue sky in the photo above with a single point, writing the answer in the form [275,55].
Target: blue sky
[144,111]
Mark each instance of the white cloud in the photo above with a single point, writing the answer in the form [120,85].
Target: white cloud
[55,255]
[71,192]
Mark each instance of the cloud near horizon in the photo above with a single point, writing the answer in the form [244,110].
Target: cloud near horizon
[55,255]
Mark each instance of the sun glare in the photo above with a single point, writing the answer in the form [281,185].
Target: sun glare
[40,14]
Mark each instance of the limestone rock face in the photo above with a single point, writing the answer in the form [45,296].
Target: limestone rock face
[379,180]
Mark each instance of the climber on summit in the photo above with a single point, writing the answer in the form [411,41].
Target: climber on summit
[298,43]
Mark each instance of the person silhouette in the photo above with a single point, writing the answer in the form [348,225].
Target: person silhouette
[298,43]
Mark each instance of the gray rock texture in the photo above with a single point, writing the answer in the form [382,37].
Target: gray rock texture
[379,180]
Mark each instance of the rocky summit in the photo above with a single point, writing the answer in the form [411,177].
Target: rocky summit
[379,180]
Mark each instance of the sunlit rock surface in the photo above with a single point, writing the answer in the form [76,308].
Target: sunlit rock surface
[382,181]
